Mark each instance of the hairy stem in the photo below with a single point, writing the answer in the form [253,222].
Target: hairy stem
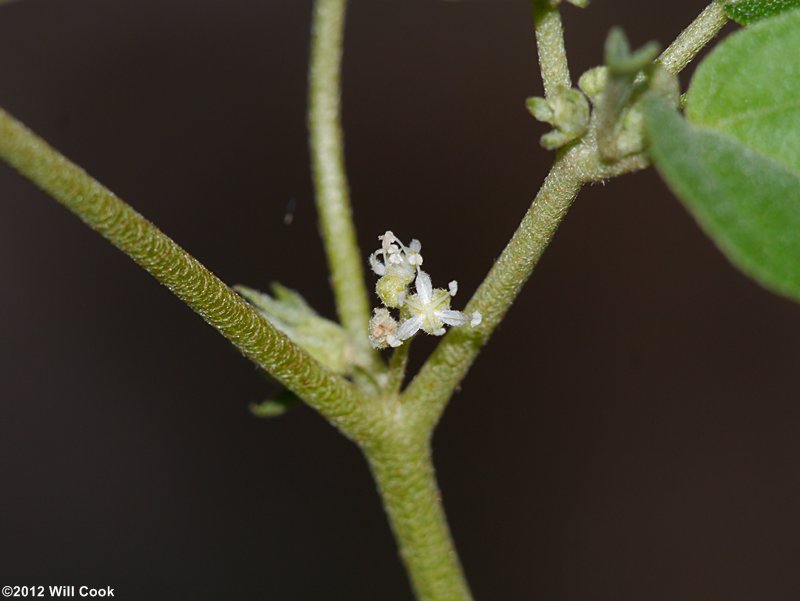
[397,368]
[330,179]
[206,294]
[694,38]
[550,46]
[405,477]
[430,390]
[433,386]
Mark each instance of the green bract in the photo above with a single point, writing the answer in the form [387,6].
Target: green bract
[750,11]
[323,339]
[567,110]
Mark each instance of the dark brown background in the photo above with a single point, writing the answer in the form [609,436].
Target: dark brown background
[630,433]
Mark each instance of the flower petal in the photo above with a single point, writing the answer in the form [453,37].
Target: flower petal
[377,267]
[409,327]
[453,318]
[424,287]
[393,341]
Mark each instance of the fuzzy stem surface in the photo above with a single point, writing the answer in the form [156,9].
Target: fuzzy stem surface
[404,473]
[328,168]
[186,277]
[430,390]
[694,38]
[397,369]
[550,46]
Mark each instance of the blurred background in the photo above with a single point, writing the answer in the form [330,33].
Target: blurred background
[629,433]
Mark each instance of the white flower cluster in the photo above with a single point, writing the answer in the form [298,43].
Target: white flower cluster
[426,308]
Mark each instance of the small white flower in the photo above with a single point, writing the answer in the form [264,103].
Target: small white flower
[429,310]
[394,255]
[382,329]
[377,267]
[395,258]
[397,264]
[413,255]
[387,240]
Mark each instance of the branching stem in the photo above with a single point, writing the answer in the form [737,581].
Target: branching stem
[403,471]
[431,389]
[394,431]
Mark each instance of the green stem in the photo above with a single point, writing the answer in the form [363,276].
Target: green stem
[405,477]
[430,390]
[206,294]
[397,368]
[550,46]
[428,393]
[330,180]
[694,38]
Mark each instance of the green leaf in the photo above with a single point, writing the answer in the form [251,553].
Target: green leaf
[749,88]
[745,201]
[276,406]
[750,11]
[735,160]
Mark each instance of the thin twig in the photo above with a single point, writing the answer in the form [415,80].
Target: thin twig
[550,46]
[330,180]
[694,38]
[397,368]
[430,390]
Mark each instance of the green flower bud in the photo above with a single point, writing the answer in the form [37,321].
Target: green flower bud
[628,75]
[391,289]
[567,110]
[593,82]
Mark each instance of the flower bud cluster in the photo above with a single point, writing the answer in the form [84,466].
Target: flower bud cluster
[617,91]
[567,110]
[404,287]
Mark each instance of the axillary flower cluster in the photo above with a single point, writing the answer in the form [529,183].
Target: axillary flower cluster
[425,308]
